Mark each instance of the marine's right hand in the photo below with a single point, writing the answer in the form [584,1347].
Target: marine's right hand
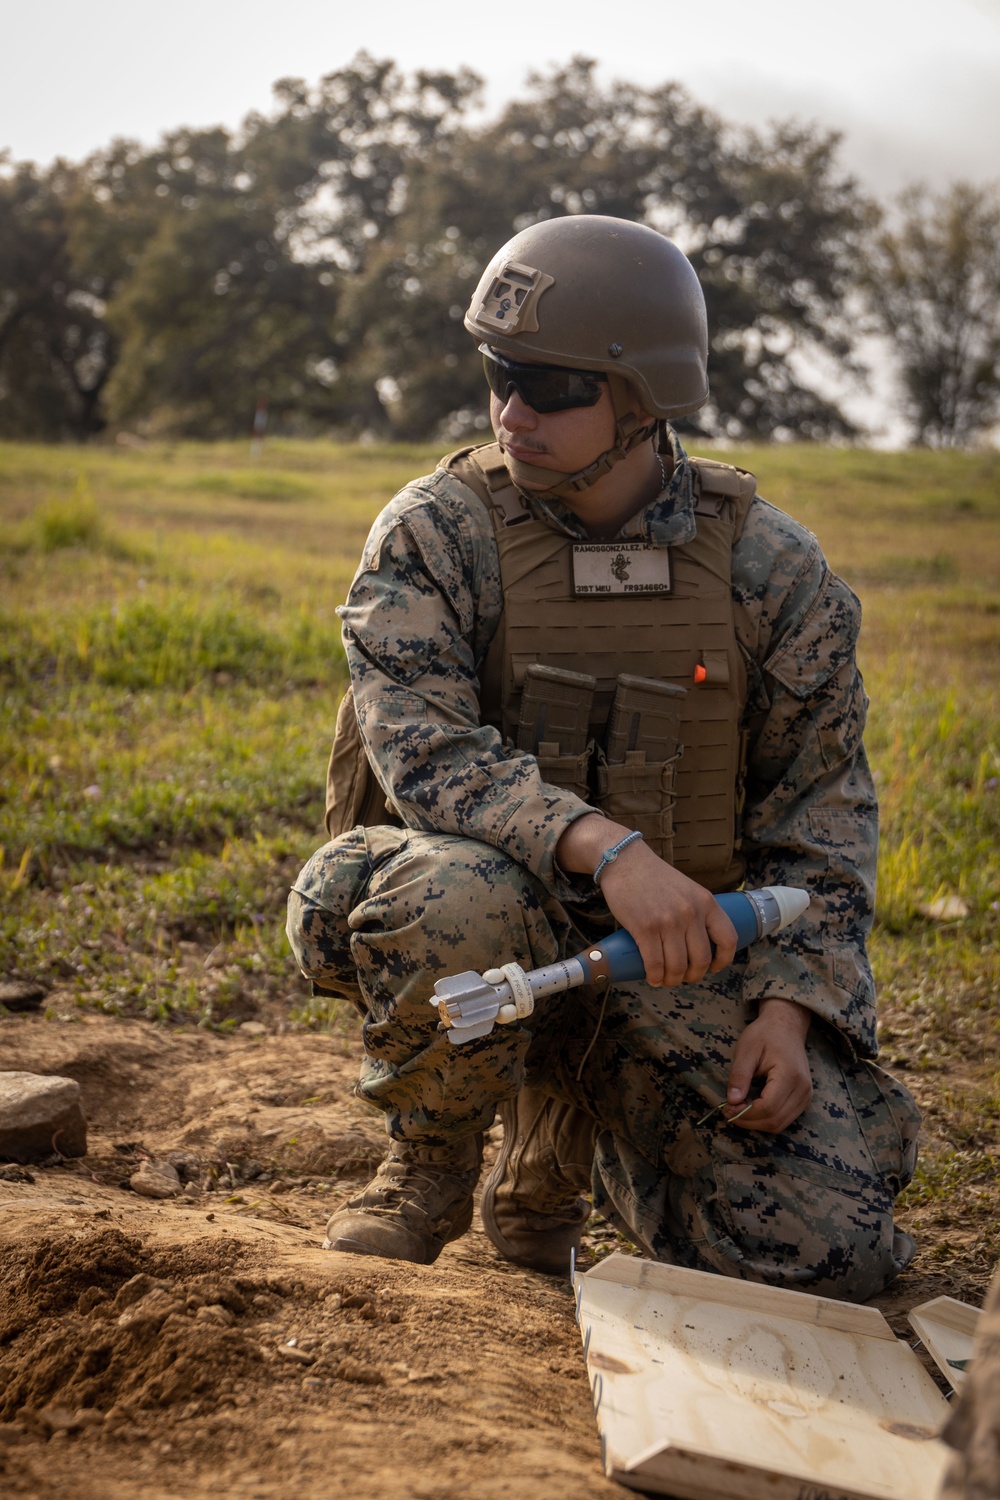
[673,920]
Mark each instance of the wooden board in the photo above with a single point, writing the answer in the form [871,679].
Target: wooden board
[709,1388]
[947,1328]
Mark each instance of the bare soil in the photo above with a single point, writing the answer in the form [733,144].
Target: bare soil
[207,1346]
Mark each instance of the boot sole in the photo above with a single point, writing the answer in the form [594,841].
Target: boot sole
[344,1245]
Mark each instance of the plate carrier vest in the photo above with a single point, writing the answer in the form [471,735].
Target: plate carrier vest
[687,796]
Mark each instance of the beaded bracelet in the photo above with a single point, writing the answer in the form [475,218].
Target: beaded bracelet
[610,855]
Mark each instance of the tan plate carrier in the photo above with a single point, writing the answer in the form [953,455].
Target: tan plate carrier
[688,803]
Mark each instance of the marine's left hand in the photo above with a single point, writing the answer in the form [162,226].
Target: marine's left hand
[773,1048]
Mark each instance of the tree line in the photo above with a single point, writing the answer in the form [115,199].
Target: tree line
[319,261]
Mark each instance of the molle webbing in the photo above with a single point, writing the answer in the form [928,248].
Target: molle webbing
[686,638]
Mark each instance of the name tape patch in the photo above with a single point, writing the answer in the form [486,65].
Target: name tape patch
[620,568]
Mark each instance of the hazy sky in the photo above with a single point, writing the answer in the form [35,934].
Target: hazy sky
[913,84]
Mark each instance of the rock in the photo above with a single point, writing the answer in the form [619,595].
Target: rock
[21,994]
[266,1302]
[187,1164]
[136,1288]
[55,1419]
[91,1297]
[216,1313]
[151,1312]
[156,1179]
[117,1417]
[252,1028]
[40,1116]
[299,1356]
[16,1174]
[352,1369]
[944,909]
[89,1416]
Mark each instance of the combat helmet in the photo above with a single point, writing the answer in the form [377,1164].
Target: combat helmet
[591,292]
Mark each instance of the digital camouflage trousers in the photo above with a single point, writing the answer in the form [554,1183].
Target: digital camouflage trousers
[379,914]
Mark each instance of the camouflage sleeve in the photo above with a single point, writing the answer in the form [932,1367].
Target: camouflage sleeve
[811,815]
[418,620]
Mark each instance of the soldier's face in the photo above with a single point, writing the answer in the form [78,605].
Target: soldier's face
[565,441]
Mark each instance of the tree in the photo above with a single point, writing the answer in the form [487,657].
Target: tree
[323,255]
[932,279]
[236,252]
[770,224]
[216,314]
[774,231]
[212,307]
[56,351]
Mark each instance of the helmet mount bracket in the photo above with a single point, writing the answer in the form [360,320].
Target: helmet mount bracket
[510,303]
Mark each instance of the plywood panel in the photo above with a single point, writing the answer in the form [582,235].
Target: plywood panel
[651,1276]
[947,1328]
[708,1388]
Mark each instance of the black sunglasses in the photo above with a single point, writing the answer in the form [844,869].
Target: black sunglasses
[544,388]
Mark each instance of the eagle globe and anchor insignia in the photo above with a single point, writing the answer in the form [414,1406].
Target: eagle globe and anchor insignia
[615,568]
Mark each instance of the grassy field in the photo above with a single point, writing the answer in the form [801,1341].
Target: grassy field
[170,666]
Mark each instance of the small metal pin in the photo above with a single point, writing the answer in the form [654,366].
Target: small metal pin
[731,1118]
[586,1341]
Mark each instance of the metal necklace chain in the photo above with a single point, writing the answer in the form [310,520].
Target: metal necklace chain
[663,472]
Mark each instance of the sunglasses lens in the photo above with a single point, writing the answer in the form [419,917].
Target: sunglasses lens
[545,388]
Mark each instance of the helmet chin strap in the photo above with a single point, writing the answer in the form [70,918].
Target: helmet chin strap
[629,433]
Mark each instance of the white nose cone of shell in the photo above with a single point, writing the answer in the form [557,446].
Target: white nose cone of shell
[791,901]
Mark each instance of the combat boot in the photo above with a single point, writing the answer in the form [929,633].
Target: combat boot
[531,1208]
[419,1199]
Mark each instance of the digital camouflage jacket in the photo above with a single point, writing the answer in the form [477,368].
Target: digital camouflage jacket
[419,618]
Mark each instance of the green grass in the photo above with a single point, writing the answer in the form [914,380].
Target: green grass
[170,667]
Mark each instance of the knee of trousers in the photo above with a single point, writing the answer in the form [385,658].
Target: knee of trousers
[790,1224]
[440,905]
[319,907]
[390,911]
[445,899]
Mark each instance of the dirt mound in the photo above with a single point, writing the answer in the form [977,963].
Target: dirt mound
[102,1324]
[49,1278]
